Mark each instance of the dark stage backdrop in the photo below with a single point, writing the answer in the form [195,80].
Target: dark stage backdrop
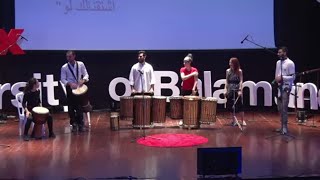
[295,27]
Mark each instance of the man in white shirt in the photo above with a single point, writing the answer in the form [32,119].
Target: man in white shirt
[284,76]
[142,76]
[73,75]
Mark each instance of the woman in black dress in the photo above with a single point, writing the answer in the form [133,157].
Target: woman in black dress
[31,99]
[233,87]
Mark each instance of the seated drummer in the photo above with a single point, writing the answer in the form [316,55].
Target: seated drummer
[141,76]
[31,99]
[189,76]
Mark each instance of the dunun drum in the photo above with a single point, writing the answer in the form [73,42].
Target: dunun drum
[208,110]
[142,111]
[114,121]
[176,107]
[159,109]
[191,106]
[39,115]
[126,107]
[82,95]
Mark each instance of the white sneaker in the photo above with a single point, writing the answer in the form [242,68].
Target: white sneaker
[244,123]
[180,123]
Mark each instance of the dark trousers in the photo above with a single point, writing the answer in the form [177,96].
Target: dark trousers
[74,108]
[187,92]
[231,101]
[30,120]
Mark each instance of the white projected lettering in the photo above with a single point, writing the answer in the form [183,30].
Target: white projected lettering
[144,24]
[50,85]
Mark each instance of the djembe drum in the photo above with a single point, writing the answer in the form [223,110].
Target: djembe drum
[208,110]
[159,109]
[126,107]
[176,107]
[114,121]
[142,111]
[82,96]
[39,115]
[191,106]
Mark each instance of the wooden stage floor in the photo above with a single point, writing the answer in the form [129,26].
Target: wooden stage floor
[102,153]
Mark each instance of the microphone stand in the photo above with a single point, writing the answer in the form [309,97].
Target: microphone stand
[264,48]
[234,108]
[143,110]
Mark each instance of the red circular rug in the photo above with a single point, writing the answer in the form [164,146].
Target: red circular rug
[172,140]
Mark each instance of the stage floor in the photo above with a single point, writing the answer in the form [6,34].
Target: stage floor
[102,153]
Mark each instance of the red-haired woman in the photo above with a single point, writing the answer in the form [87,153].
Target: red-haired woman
[233,87]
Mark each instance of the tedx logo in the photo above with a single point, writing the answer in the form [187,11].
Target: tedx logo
[8,42]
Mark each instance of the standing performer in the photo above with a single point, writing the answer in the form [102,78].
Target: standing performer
[31,99]
[233,88]
[189,76]
[141,76]
[73,75]
[284,76]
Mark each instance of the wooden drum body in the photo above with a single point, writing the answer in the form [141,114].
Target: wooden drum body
[142,111]
[82,96]
[114,121]
[176,107]
[159,109]
[40,116]
[191,106]
[126,107]
[208,110]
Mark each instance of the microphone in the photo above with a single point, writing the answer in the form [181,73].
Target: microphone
[140,71]
[22,37]
[244,39]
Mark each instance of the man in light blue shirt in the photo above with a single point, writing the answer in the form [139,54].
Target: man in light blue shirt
[284,76]
[73,75]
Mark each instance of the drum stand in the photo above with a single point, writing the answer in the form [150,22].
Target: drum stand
[234,109]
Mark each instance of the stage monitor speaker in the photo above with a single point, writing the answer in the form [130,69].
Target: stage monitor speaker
[219,161]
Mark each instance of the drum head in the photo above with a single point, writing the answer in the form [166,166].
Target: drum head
[141,97]
[159,97]
[210,99]
[40,110]
[192,97]
[176,97]
[126,97]
[80,90]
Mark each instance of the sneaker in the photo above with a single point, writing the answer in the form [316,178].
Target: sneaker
[284,131]
[244,123]
[26,138]
[180,123]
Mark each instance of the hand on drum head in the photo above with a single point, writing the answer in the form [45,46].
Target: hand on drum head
[194,92]
[73,85]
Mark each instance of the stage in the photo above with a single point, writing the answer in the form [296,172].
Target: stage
[102,153]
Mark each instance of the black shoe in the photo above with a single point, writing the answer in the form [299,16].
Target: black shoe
[81,129]
[52,135]
[74,128]
[26,138]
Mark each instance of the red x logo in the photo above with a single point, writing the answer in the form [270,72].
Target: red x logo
[8,42]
